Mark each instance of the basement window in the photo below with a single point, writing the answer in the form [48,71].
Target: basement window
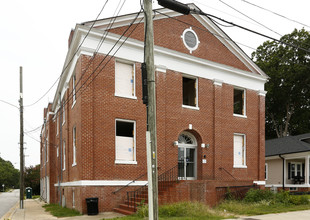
[239,102]
[124,80]
[189,92]
[125,142]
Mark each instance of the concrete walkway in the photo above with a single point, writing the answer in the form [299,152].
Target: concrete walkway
[33,211]
[298,215]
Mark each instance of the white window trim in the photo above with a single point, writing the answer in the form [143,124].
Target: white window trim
[63,114]
[64,156]
[134,161]
[134,78]
[57,124]
[244,115]
[244,140]
[73,89]
[196,82]
[74,146]
[73,199]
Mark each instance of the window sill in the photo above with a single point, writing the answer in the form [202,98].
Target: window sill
[240,116]
[240,166]
[190,107]
[125,162]
[126,97]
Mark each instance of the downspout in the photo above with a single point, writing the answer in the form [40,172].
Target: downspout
[283,165]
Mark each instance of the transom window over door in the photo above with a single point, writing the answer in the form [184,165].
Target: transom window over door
[124,80]
[125,142]
[187,157]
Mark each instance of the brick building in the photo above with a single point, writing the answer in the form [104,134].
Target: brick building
[210,113]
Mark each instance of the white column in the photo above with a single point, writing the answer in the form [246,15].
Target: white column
[307,170]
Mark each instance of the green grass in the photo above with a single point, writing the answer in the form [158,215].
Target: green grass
[59,211]
[181,211]
[256,202]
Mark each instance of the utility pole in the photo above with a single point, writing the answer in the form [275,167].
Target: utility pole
[21,141]
[151,110]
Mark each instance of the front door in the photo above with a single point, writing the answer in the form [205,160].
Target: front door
[186,163]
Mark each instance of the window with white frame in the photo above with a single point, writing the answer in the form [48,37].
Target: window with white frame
[73,89]
[124,79]
[73,199]
[189,90]
[239,102]
[57,124]
[74,145]
[296,169]
[125,141]
[64,156]
[239,151]
[63,113]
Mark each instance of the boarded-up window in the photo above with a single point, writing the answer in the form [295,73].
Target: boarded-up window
[125,141]
[189,92]
[239,102]
[124,80]
[239,150]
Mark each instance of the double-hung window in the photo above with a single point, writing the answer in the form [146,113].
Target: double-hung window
[239,102]
[74,145]
[125,80]
[190,92]
[239,151]
[64,156]
[125,151]
[73,89]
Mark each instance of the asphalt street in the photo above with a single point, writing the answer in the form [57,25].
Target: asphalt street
[7,201]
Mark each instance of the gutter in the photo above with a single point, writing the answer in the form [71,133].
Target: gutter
[283,164]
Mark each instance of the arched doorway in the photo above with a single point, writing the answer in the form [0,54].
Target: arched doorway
[187,156]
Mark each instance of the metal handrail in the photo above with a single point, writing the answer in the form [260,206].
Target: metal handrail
[222,168]
[129,183]
[166,177]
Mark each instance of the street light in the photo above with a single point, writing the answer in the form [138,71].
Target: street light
[3,187]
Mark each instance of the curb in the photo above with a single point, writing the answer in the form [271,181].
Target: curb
[10,213]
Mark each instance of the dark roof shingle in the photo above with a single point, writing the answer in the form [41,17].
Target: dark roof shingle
[288,145]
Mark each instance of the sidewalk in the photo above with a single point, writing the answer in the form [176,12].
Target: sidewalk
[33,211]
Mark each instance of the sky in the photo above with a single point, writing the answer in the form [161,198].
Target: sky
[34,34]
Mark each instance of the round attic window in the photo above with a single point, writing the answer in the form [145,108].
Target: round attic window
[190,39]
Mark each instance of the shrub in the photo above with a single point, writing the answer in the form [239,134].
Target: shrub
[257,195]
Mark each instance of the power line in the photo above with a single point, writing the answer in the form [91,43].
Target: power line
[249,30]
[64,69]
[9,104]
[250,17]
[65,102]
[250,3]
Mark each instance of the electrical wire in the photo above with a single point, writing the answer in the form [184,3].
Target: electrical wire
[249,18]
[9,104]
[66,101]
[64,69]
[111,22]
[250,3]
[249,30]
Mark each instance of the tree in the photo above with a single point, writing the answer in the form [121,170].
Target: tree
[9,176]
[288,89]
[32,179]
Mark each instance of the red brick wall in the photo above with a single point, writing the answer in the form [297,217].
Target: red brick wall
[97,107]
